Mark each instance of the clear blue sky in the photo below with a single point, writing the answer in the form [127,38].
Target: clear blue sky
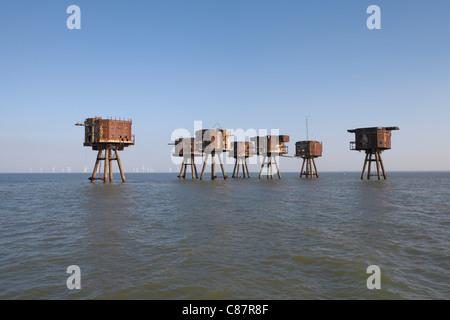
[262,64]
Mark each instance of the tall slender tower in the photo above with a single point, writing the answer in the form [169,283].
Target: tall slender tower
[106,136]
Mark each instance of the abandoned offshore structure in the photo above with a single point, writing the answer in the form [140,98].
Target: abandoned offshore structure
[308,151]
[270,147]
[108,136]
[373,141]
[185,148]
[213,142]
[240,152]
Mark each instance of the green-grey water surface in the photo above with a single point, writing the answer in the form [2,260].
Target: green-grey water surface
[157,237]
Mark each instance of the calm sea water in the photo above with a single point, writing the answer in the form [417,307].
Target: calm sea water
[156,237]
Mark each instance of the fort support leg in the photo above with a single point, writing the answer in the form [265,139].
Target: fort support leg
[181,170]
[110,166]
[262,166]
[308,168]
[278,168]
[204,166]
[305,170]
[364,167]
[185,168]
[237,170]
[311,172]
[246,166]
[243,168]
[271,168]
[235,165]
[382,166]
[105,175]
[303,165]
[222,167]
[213,166]
[192,167]
[378,165]
[195,167]
[122,175]
[315,168]
[97,162]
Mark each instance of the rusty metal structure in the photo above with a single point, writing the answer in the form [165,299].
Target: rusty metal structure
[240,152]
[373,141]
[270,147]
[186,148]
[212,142]
[308,150]
[106,136]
